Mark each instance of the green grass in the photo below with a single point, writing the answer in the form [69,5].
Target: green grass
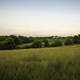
[61,63]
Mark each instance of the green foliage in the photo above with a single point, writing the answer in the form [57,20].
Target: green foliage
[46,43]
[16,39]
[68,42]
[23,39]
[76,39]
[12,41]
[24,46]
[7,44]
[56,43]
[37,44]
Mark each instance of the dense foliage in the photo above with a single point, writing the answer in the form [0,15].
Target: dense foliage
[12,41]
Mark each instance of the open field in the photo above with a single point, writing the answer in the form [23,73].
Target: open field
[61,63]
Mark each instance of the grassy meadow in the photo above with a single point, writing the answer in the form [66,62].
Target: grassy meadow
[59,63]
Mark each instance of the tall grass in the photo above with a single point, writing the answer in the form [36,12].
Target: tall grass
[62,63]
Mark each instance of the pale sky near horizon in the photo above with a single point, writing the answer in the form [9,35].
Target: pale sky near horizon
[40,17]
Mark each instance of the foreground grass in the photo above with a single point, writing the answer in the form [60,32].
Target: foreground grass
[62,63]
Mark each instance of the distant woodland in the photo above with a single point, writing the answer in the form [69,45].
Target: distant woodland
[23,42]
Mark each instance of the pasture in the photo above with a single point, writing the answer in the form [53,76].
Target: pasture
[59,63]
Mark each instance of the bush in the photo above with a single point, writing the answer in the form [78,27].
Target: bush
[7,44]
[68,42]
[24,46]
[37,44]
[46,43]
[56,43]
[76,39]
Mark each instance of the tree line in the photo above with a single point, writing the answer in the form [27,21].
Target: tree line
[23,42]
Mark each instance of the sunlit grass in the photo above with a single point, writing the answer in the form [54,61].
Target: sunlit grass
[61,63]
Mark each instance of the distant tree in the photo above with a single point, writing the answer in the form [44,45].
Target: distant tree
[7,44]
[76,39]
[79,35]
[37,44]
[2,38]
[12,41]
[2,45]
[68,41]
[56,43]
[46,43]
[30,39]
[23,39]
[79,38]
[10,44]
[15,38]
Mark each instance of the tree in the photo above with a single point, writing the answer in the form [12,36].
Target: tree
[37,44]
[46,43]
[68,42]
[56,43]
[76,39]
[15,38]
[10,43]
[7,44]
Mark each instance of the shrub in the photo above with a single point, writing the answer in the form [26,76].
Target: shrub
[24,46]
[68,42]
[76,39]
[56,43]
[46,43]
[7,44]
[37,44]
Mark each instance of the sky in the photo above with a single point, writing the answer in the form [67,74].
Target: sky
[40,17]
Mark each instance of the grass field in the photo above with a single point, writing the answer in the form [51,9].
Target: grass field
[60,63]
